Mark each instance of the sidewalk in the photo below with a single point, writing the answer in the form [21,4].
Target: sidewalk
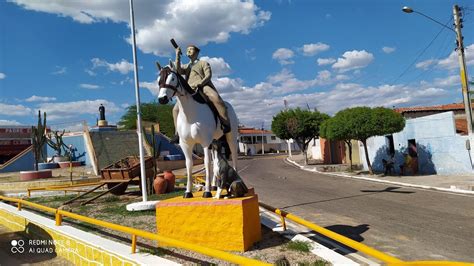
[450,183]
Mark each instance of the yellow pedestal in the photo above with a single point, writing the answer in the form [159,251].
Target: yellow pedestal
[102,123]
[225,224]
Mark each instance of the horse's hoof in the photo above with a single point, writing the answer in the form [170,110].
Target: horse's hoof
[214,188]
[188,195]
[207,194]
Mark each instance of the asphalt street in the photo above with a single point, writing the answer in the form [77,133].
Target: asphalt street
[408,223]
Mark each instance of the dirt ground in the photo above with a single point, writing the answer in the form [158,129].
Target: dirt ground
[273,247]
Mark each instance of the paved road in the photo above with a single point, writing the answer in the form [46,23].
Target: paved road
[411,224]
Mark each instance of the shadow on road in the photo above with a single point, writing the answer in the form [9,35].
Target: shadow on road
[389,189]
[370,192]
[352,232]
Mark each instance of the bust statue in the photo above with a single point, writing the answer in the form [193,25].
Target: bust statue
[102,112]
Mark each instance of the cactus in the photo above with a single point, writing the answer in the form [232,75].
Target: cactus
[39,139]
[58,142]
[155,151]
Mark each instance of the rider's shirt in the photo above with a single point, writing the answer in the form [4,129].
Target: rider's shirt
[198,73]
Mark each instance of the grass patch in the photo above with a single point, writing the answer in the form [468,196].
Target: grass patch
[118,209]
[52,200]
[112,199]
[297,245]
[153,251]
[314,263]
[176,193]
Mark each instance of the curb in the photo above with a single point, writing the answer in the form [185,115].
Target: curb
[452,190]
[272,221]
[74,245]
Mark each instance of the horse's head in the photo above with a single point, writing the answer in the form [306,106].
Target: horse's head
[168,83]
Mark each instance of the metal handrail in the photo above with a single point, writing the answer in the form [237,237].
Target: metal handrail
[354,244]
[335,236]
[136,232]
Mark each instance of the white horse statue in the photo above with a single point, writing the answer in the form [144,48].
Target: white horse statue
[196,123]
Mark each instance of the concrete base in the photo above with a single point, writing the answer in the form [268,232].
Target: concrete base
[226,224]
[142,206]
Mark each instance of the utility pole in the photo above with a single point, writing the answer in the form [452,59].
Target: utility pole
[263,147]
[462,65]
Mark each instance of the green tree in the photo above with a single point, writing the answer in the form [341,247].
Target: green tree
[151,112]
[299,125]
[361,123]
[335,128]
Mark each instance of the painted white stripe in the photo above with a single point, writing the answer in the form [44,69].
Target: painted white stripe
[272,221]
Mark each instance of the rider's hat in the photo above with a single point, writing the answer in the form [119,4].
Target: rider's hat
[195,47]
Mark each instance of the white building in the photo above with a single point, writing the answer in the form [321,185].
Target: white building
[252,141]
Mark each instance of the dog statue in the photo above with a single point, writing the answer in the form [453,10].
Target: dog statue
[225,175]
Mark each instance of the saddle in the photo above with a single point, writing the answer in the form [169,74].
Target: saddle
[200,97]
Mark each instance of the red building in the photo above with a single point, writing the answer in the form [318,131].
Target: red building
[13,140]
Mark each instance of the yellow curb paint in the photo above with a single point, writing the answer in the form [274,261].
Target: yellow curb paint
[70,248]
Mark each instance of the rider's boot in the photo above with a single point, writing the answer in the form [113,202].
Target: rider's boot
[225,125]
[175,139]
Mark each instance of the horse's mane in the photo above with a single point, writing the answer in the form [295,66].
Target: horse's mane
[198,97]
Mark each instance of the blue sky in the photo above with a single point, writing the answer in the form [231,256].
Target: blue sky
[67,57]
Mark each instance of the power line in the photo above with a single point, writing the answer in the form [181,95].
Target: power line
[421,53]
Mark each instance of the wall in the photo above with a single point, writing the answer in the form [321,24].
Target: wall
[22,162]
[80,150]
[440,149]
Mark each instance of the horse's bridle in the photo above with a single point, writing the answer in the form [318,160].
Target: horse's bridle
[163,76]
[166,71]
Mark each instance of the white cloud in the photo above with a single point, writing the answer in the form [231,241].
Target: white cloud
[426,64]
[266,98]
[451,62]
[90,72]
[89,86]
[449,81]
[353,60]
[159,21]
[151,86]
[388,50]
[283,55]
[219,66]
[123,66]
[9,123]
[314,48]
[14,110]
[67,110]
[35,98]
[59,70]
[325,61]
[2,75]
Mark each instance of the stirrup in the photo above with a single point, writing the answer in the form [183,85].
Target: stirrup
[225,127]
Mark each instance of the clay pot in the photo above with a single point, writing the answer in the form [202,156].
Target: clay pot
[171,180]
[160,185]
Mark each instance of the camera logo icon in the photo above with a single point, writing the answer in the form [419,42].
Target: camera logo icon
[17,246]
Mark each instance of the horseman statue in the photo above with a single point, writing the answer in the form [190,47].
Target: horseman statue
[198,74]
[200,115]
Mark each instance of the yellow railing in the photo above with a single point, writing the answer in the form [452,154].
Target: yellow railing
[351,243]
[136,232]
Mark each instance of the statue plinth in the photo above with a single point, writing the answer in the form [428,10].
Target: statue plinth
[102,123]
[225,224]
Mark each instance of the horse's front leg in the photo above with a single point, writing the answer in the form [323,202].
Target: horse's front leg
[188,154]
[207,164]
